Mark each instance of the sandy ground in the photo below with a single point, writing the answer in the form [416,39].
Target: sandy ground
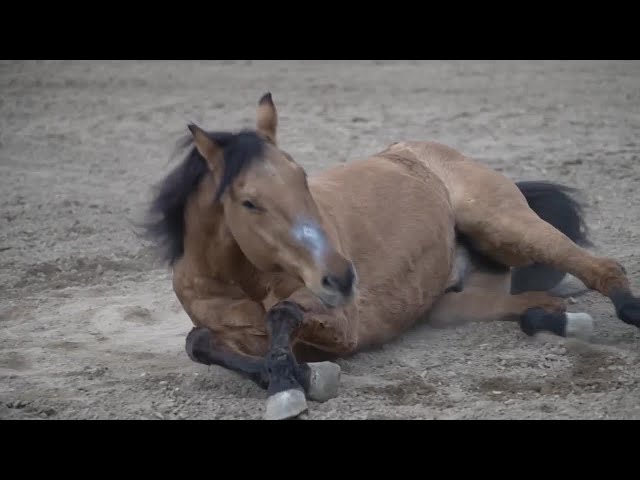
[89,325]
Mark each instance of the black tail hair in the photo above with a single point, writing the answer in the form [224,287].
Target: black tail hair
[554,204]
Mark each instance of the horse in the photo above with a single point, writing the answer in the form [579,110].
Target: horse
[282,273]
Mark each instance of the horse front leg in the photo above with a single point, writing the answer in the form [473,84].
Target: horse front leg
[290,382]
[203,346]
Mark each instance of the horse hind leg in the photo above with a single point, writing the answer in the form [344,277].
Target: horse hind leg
[500,223]
[484,297]
[553,204]
[535,312]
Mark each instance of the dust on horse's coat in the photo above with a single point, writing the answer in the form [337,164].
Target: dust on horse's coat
[277,270]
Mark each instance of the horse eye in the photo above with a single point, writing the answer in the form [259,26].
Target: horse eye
[249,205]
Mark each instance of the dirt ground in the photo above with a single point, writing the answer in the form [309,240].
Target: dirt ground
[90,327]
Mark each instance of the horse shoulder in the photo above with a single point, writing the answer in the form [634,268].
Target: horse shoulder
[190,283]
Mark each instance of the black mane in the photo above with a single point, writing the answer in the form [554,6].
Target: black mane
[166,214]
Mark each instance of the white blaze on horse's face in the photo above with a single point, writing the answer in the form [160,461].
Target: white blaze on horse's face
[313,239]
[333,278]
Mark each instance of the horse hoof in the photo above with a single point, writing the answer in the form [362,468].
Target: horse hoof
[630,312]
[579,325]
[197,343]
[324,381]
[627,307]
[286,404]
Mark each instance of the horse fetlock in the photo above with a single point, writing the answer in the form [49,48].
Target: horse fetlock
[536,320]
[281,368]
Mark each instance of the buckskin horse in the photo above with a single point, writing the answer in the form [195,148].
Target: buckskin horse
[282,273]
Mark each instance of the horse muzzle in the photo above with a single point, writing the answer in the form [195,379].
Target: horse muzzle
[338,290]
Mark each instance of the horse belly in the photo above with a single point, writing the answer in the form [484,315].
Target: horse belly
[404,257]
[388,308]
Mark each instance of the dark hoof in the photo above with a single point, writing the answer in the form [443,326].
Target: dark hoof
[198,342]
[630,312]
[627,307]
[285,405]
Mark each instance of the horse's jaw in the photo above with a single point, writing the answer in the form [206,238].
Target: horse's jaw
[335,300]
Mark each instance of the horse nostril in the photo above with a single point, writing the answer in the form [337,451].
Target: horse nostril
[329,281]
[343,285]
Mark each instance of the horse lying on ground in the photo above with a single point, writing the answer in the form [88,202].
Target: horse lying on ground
[281,273]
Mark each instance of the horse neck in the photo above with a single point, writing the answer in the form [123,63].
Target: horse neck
[209,246]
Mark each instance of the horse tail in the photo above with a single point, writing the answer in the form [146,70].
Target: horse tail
[554,204]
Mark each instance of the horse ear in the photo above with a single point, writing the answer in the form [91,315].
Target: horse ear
[267,118]
[207,147]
